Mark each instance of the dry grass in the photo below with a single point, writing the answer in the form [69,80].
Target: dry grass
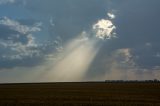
[80,94]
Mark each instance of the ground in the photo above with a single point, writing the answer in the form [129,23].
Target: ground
[80,94]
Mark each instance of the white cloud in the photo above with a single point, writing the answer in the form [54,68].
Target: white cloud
[22,33]
[19,41]
[126,55]
[51,22]
[7,1]
[15,25]
[104,29]
[121,66]
[18,51]
[111,16]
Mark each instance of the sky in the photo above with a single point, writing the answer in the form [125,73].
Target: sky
[79,40]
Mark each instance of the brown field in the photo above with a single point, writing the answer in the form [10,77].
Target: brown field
[80,94]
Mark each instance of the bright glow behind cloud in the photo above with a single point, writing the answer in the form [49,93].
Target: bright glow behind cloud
[104,29]
[79,53]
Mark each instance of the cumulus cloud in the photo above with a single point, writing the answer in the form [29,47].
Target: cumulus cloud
[12,54]
[123,58]
[17,42]
[121,66]
[126,56]
[15,32]
[104,29]
[16,26]
[32,54]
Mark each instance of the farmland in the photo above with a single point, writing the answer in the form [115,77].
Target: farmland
[80,94]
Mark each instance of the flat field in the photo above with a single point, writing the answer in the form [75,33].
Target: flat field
[80,94]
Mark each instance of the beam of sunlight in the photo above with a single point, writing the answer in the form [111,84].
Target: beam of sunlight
[74,65]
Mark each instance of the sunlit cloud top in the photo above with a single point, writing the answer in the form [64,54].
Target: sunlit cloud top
[104,29]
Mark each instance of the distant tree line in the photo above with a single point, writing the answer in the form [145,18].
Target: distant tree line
[132,81]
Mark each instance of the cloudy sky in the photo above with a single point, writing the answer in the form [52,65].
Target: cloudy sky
[79,40]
